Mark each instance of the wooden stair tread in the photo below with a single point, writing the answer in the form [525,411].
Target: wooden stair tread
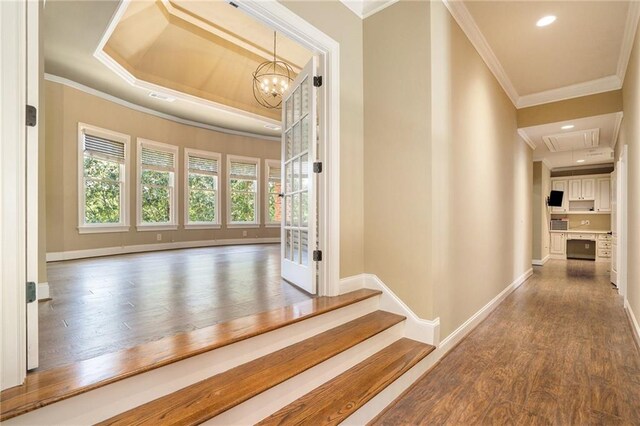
[340,397]
[49,386]
[203,400]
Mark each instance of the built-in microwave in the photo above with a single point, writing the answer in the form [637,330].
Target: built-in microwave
[559,224]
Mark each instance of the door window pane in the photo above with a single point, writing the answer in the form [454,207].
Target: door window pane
[296,246]
[304,248]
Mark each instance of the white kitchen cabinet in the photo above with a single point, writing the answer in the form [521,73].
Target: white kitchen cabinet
[560,185]
[558,244]
[582,189]
[603,196]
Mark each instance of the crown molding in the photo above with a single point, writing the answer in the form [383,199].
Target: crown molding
[364,8]
[630,27]
[525,137]
[107,97]
[592,87]
[463,17]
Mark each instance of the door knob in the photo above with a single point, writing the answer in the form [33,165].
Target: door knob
[281,194]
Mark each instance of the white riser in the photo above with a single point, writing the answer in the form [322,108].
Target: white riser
[270,401]
[108,401]
[371,409]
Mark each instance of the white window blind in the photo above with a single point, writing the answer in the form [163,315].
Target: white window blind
[203,164]
[274,173]
[104,148]
[157,159]
[241,170]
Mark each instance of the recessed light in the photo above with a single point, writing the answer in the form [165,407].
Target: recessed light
[545,20]
[580,161]
[161,97]
[272,127]
[567,127]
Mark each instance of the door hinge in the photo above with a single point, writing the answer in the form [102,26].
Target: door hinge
[31,291]
[317,255]
[31,116]
[317,81]
[317,167]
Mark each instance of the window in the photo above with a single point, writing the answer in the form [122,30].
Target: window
[274,188]
[102,180]
[202,202]
[242,196]
[156,186]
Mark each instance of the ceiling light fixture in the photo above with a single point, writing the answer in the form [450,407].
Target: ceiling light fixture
[272,127]
[546,20]
[567,127]
[270,80]
[579,161]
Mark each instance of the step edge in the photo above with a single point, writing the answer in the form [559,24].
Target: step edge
[42,402]
[397,319]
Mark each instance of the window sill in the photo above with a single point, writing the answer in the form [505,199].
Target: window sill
[202,226]
[273,225]
[243,225]
[102,229]
[143,228]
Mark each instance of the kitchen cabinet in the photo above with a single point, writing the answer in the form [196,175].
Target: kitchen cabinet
[582,189]
[558,244]
[603,198]
[560,185]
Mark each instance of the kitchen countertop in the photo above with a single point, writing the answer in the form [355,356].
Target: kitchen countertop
[582,231]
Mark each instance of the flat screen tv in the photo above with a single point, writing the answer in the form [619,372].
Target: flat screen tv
[555,199]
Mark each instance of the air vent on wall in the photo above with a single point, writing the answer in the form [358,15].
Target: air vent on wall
[572,141]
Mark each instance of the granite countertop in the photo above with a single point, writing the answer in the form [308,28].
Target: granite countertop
[583,231]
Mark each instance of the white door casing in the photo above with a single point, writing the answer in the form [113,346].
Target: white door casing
[614,234]
[299,183]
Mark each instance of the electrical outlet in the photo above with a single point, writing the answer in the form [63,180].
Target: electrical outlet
[587,246]
[244,233]
[158,237]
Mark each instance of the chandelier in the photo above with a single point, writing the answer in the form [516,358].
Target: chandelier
[270,80]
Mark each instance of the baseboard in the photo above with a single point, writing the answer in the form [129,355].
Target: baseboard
[353,283]
[451,340]
[541,262]
[634,322]
[43,291]
[109,251]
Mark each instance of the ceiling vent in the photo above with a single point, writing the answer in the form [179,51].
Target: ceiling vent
[572,141]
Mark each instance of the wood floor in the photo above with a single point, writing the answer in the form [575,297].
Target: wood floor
[102,305]
[558,351]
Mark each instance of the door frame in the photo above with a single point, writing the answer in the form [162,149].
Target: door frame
[282,19]
[13,216]
[621,226]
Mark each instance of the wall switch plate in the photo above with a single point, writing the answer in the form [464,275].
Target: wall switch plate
[158,237]
[244,233]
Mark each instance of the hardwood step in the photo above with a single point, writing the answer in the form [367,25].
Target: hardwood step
[46,387]
[210,397]
[337,399]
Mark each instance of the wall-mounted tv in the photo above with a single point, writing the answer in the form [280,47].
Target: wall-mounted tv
[555,199]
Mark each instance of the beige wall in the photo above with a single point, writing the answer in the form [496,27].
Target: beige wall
[597,222]
[540,211]
[585,106]
[66,107]
[334,19]
[630,135]
[447,179]
[397,174]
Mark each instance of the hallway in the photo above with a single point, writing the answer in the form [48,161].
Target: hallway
[559,350]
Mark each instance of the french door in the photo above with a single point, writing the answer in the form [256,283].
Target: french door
[299,197]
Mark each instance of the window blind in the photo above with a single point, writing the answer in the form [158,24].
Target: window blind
[157,158]
[240,170]
[202,164]
[274,172]
[105,148]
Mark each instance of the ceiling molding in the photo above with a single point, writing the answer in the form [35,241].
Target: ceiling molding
[630,27]
[365,8]
[107,97]
[547,163]
[463,17]
[527,139]
[146,86]
[592,87]
[613,82]
[616,129]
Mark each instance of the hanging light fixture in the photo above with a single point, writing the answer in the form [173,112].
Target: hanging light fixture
[270,80]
